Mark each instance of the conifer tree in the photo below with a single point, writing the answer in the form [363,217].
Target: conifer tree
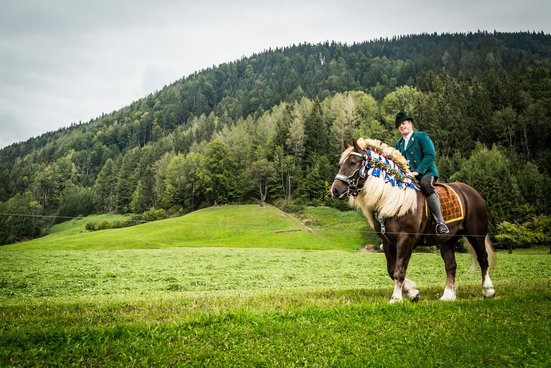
[105,187]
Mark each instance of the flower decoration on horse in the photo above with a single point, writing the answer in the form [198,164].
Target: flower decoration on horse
[395,172]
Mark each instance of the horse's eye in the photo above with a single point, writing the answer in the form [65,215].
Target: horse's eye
[351,163]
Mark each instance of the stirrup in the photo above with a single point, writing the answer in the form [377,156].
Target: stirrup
[442,228]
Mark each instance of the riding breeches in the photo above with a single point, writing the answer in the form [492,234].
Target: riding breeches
[426,183]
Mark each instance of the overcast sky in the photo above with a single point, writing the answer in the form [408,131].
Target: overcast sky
[65,61]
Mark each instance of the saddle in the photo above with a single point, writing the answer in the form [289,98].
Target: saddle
[451,206]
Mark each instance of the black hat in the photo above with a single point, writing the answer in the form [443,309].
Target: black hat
[401,117]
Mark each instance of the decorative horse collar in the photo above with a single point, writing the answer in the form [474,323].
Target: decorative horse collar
[376,164]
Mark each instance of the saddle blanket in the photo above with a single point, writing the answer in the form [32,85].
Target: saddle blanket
[451,206]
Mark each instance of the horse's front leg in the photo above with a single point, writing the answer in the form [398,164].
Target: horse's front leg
[397,293]
[390,254]
[402,254]
[406,286]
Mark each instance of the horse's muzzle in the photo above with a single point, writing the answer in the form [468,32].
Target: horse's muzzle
[339,190]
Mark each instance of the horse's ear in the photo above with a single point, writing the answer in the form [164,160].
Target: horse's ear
[357,148]
[345,145]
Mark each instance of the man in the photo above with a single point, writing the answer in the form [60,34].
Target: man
[418,149]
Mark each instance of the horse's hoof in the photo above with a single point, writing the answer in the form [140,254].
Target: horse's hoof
[449,295]
[447,298]
[413,295]
[393,301]
[489,293]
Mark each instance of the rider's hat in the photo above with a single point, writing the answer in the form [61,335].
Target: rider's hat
[401,117]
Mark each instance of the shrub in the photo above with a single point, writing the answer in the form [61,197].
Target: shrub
[147,216]
[151,215]
[531,233]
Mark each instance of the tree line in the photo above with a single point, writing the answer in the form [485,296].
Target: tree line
[270,128]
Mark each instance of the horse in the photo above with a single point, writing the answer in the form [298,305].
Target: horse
[376,179]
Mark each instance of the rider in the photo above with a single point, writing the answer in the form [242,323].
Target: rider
[418,149]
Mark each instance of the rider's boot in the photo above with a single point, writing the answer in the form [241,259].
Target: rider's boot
[434,205]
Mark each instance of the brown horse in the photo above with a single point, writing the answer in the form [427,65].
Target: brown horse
[374,176]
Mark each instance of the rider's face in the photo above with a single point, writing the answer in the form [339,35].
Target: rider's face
[405,127]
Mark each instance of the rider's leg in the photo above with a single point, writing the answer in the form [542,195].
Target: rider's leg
[426,184]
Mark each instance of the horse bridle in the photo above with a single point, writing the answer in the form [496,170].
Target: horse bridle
[352,180]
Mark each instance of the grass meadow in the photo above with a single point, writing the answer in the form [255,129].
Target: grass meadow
[258,288]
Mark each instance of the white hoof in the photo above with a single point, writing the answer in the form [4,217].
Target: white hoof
[445,298]
[410,288]
[489,293]
[395,300]
[449,295]
[488,288]
[413,295]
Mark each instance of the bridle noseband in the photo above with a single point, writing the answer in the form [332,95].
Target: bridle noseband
[352,180]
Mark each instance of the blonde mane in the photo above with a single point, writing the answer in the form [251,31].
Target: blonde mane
[377,194]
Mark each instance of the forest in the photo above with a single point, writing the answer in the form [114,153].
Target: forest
[269,128]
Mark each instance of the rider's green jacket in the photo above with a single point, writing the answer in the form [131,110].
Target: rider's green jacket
[420,153]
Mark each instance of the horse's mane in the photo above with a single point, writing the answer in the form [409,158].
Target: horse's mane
[379,195]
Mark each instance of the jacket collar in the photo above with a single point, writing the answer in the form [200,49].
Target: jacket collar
[410,142]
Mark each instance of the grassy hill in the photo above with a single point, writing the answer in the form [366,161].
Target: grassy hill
[246,226]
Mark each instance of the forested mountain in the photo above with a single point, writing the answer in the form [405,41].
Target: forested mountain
[269,127]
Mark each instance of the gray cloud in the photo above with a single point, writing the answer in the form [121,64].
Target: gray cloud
[64,61]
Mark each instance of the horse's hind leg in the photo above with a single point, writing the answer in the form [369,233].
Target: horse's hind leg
[483,250]
[447,251]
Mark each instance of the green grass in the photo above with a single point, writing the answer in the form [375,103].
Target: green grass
[228,226]
[80,303]
[44,273]
[345,327]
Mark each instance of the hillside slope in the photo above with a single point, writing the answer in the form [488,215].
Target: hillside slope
[241,226]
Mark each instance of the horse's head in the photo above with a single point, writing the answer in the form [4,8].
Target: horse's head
[350,178]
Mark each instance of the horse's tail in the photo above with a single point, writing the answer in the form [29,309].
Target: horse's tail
[492,260]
